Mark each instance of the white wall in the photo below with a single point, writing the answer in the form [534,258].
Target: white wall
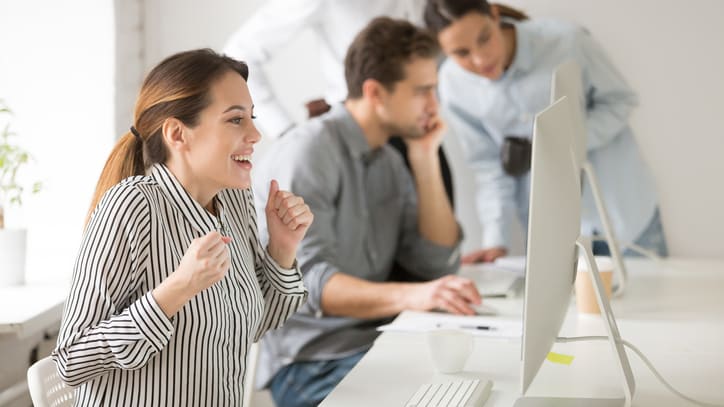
[177,25]
[56,73]
[671,53]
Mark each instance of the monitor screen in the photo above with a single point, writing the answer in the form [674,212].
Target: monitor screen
[553,229]
[567,81]
[552,254]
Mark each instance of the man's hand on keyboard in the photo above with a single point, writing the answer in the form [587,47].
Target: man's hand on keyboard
[451,293]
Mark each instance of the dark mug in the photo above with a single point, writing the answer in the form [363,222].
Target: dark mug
[515,155]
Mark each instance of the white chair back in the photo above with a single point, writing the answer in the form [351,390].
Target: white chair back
[46,388]
[251,362]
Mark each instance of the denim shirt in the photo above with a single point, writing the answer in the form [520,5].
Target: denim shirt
[482,112]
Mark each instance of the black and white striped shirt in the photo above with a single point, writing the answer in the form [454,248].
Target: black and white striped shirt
[117,345]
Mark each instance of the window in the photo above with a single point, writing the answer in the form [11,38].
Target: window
[57,75]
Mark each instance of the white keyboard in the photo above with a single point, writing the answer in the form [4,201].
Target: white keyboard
[452,393]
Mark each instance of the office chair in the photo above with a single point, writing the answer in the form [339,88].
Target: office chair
[252,360]
[46,388]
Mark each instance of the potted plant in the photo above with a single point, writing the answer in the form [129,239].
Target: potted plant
[12,241]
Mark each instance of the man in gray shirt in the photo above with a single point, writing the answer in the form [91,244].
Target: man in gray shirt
[369,212]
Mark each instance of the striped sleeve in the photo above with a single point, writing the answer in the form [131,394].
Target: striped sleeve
[283,289]
[105,325]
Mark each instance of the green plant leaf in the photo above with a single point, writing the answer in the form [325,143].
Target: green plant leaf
[12,158]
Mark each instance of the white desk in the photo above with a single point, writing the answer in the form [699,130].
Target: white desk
[28,309]
[27,314]
[673,311]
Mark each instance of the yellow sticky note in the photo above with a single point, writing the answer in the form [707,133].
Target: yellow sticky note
[560,359]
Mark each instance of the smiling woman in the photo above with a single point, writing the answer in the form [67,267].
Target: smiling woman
[164,96]
[171,283]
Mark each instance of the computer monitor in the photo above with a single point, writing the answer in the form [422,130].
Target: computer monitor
[567,81]
[552,252]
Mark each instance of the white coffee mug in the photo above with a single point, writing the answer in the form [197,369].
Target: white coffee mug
[449,349]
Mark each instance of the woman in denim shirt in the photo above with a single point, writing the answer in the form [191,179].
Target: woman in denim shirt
[497,78]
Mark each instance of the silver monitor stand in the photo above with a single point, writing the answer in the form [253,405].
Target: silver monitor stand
[614,338]
[619,267]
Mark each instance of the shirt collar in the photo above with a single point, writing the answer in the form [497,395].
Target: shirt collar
[352,134]
[523,58]
[199,218]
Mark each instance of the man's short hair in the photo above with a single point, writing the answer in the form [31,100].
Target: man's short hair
[381,50]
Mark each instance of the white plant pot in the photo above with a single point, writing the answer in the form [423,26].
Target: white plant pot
[12,256]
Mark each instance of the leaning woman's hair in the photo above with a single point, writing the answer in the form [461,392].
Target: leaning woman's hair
[178,87]
[441,13]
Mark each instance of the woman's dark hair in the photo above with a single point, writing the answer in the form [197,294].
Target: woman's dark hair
[381,50]
[177,87]
[441,13]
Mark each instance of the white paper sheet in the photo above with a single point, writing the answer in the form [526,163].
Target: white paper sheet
[494,327]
